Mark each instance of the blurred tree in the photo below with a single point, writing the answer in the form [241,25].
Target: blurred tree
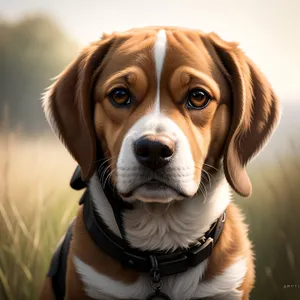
[32,51]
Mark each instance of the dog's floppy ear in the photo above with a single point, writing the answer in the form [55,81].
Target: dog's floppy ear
[255,112]
[68,105]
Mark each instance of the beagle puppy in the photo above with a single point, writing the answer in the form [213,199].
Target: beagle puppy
[178,114]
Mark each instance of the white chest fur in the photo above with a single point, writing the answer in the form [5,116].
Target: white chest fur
[165,232]
[187,285]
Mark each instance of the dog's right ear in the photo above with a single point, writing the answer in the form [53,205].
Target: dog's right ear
[255,112]
[68,105]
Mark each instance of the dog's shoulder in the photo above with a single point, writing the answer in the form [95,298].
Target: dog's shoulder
[233,247]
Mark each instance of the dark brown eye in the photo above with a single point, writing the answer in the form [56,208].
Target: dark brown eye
[119,97]
[198,99]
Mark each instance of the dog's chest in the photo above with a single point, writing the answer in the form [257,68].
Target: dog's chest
[187,285]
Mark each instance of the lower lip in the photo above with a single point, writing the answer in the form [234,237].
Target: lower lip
[154,185]
[150,184]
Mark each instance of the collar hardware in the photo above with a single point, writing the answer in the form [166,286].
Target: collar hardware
[155,273]
[158,295]
[204,250]
[156,281]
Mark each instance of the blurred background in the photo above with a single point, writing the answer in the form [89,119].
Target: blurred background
[39,38]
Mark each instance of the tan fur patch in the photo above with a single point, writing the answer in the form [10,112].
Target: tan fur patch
[232,244]
[104,264]
[47,290]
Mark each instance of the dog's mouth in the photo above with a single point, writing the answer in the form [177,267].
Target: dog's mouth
[154,191]
[155,184]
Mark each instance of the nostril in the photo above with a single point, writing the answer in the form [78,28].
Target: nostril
[166,151]
[141,148]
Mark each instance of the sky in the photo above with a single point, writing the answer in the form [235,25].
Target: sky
[268,31]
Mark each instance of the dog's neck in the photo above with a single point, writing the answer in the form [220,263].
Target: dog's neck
[166,226]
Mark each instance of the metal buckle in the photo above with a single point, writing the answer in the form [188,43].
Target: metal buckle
[224,217]
[201,253]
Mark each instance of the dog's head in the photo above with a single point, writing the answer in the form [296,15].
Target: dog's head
[165,105]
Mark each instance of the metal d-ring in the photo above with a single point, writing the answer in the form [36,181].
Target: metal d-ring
[157,285]
[156,282]
[158,296]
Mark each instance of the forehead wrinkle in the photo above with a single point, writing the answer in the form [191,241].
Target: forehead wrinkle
[123,74]
[185,40]
[186,47]
[144,60]
[135,44]
[191,48]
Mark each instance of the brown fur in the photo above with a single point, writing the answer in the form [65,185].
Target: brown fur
[235,125]
[233,243]
[104,264]
[47,291]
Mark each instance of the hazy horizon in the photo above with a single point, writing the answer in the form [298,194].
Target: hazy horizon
[269,33]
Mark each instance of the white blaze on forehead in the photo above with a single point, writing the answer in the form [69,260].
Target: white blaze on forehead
[160,48]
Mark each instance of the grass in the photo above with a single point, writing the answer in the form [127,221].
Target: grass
[36,205]
[273,213]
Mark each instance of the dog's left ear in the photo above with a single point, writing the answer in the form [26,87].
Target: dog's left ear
[68,105]
[255,112]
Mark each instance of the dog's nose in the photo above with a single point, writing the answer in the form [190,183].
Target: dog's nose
[154,151]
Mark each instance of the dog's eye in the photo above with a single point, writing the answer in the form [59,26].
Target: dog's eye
[119,97]
[198,99]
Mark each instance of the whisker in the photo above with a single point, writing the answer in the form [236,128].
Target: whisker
[101,171]
[206,193]
[104,158]
[210,166]
[200,165]
[208,177]
[103,174]
[202,191]
[108,176]
[207,173]
[100,167]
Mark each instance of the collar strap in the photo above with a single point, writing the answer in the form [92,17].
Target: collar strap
[166,263]
[116,202]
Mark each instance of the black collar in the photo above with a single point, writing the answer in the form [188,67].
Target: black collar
[166,263]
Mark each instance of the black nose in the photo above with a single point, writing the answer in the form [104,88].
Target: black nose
[154,151]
